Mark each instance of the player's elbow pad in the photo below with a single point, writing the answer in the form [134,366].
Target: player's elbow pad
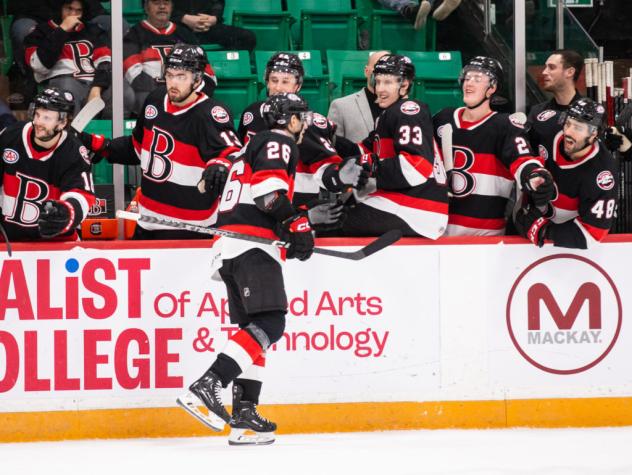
[276,204]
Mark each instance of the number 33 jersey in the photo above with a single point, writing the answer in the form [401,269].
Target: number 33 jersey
[488,156]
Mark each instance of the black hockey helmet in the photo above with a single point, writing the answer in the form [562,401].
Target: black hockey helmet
[53,99]
[285,63]
[396,65]
[279,109]
[586,110]
[486,65]
[187,57]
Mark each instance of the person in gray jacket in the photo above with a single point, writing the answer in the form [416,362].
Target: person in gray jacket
[355,114]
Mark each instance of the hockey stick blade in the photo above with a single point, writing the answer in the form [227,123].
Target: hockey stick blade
[378,244]
[87,113]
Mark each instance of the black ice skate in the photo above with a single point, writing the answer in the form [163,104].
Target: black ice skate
[206,390]
[248,427]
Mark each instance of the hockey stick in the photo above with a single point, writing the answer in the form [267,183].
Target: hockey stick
[446,151]
[87,113]
[6,240]
[378,244]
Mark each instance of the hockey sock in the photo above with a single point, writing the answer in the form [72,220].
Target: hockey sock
[252,379]
[241,351]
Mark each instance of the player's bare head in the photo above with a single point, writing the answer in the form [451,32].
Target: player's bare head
[370,64]
[289,112]
[284,74]
[582,124]
[50,112]
[562,70]
[183,70]
[71,8]
[392,78]
[480,79]
[158,11]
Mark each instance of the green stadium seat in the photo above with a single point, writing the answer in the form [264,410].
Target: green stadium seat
[315,88]
[236,85]
[133,10]
[346,71]
[265,18]
[324,24]
[436,78]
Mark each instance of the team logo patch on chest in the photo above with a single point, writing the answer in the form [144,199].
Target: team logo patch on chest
[10,156]
[543,152]
[605,180]
[546,115]
[410,108]
[319,121]
[248,118]
[150,112]
[219,114]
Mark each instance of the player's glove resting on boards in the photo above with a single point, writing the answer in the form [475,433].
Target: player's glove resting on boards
[215,175]
[531,224]
[56,218]
[544,191]
[297,231]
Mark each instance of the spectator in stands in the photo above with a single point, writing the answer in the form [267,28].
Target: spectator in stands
[72,55]
[204,17]
[355,114]
[417,12]
[147,45]
[559,77]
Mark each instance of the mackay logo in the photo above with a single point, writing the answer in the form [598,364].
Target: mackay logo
[564,314]
[220,115]
[410,108]
[546,115]
[320,121]
[605,180]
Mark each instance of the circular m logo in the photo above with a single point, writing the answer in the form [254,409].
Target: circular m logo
[564,314]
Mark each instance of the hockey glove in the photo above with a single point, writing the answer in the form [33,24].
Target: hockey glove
[297,231]
[214,176]
[96,143]
[538,183]
[618,139]
[56,218]
[531,224]
[326,215]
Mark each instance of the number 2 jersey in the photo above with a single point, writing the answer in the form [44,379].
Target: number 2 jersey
[586,201]
[173,146]
[30,175]
[487,158]
[410,177]
[266,164]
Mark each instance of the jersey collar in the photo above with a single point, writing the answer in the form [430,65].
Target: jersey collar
[560,157]
[170,28]
[173,109]
[30,148]
[461,124]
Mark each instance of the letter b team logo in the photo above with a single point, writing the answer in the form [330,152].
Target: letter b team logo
[564,314]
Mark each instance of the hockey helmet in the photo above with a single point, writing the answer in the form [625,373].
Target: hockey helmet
[53,99]
[279,109]
[396,65]
[586,110]
[187,57]
[285,63]
[486,65]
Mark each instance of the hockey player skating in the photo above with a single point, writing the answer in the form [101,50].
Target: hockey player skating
[183,136]
[258,198]
[407,191]
[485,153]
[46,187]
[320,165]
[585,174]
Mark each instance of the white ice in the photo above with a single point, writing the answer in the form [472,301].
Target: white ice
[458,452]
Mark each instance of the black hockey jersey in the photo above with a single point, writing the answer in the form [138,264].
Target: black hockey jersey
[31,175]
[586,201]
[268,163]
[145,48]
[51,51]
[488,157]
[410,177]
[543,124]
[173,146]
[316,150]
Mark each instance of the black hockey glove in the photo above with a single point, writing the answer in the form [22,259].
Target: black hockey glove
[297,231]
[214,176]
[56,218]
[531,224]
[543,193]
[326,215]
[618,139]
[96,143]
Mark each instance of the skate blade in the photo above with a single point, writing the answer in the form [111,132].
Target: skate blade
[249,437]
[189,402]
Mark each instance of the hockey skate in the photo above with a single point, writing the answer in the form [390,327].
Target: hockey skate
[247,426]
[206,391]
